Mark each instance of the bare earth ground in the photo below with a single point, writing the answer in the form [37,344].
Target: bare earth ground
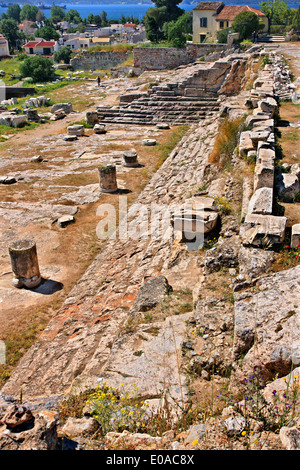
[66,181]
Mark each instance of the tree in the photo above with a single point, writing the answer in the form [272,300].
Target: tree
[57,14]
[9,29]
[154,21]
[73,16]
[13,11]
[245,23]
[62,55]
[296,19]
[29,12]
[39,68]
[273,11]
[47,32]
[155,18]
[176,31]
[172,10]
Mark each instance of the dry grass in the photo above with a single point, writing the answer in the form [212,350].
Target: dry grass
[226,141]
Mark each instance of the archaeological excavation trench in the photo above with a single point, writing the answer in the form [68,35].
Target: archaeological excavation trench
[147,309]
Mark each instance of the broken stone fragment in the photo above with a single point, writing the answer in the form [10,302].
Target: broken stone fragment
[99,129]
[148,142]
[70,138]
[91,117]
[162,125]
[264,173]
[263,230]
[287,186]
[76,129]
[16,416]
[65,220]
[151,294]
[7,180]
[67,108]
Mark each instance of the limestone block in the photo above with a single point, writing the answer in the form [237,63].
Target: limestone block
[266,153]
[245,144]
[268,124]
[268,105]
[287,186]
[295,169]
[261,202]
[295,236]
[65,220]
[66,107]
[263,230]
[264,174]
[91,117]
[99,129]
[76,129]
[259,134]
[250,120]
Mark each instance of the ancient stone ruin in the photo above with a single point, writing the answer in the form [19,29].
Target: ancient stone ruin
[215,227]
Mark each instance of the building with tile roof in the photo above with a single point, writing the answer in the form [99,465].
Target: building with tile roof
[211,17]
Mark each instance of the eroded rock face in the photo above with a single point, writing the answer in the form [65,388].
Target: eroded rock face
[267,324]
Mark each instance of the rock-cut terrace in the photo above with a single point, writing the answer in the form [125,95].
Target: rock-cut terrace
[159,312]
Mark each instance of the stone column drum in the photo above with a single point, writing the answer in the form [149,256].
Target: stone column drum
[24,263]
[108,179]
[130,158]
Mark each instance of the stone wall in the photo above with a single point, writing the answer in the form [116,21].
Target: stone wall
[98,60]
[159,58]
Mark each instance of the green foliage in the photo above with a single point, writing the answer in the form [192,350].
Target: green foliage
[154,21]
[13,12]
[62,55]
[47,32]
[274,11]
[245,24]
[57,14]
[117,410]
[222,35]
[39,68]
[29,13]
[9,29]
[155,18]
[255,408]
[72,16]
[176,31]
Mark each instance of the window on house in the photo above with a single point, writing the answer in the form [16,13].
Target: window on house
[221,24]
[203,22]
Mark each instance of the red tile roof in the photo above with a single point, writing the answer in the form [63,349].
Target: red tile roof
[209,6]
[40,43]
[31,44]
[46,43]
[230,12]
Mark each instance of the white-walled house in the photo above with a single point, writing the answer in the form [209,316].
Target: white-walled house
[4,49]
[211,17]
[40,47]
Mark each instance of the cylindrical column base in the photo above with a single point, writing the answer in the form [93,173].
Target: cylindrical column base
[130,158]
[24,264]
[108,179]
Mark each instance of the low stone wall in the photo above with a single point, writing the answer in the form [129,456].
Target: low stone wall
[159,58]
[98,60]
